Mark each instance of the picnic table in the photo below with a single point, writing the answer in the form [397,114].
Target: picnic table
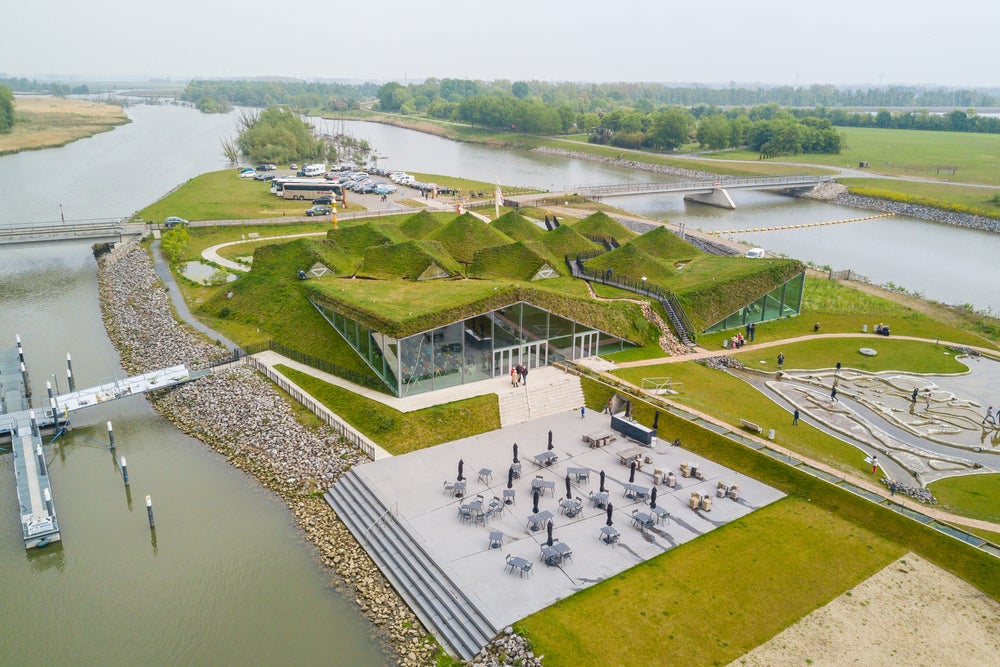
[599,438]
[581,473]
[543,484]
[518,563]
[627,456]
[570,506]
[635,491]
[536,521]
[599,498]
[545,458]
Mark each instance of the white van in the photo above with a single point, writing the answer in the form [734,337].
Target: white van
[314,169]
[755,253]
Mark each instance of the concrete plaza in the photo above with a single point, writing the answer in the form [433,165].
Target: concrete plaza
[412,486]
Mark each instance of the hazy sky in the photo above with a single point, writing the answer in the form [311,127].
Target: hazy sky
[767,41]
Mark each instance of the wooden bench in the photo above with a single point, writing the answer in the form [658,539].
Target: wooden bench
[750,426]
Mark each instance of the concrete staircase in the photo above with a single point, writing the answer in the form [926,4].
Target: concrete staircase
[549,391]
[456,621]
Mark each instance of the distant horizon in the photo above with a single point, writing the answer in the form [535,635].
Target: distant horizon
[165,79]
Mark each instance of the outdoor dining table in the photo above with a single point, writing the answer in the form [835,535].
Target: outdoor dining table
[570,506]
[485,475]
[550,555]
[599,438]
[545,458]
[518,563]
[610,534]
[516,467]
[543,484]
[636,491]
[599,498]
[565,553]
[458,489]
[508,496]
[580,473]
[662,515]
[642,520]
[536,521]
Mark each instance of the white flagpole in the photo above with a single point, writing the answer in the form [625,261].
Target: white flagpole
[497,196]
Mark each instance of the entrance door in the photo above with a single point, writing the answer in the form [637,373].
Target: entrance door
[535,355]
[503,360]
[585,345]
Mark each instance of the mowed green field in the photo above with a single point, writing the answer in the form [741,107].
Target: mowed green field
[960,157]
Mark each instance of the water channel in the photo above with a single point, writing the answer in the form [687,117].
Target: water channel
[228,578]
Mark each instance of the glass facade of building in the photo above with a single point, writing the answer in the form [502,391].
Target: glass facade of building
[783,301]
[477,348]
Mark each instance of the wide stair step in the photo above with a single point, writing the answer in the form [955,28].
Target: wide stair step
[456,621]
[551,393]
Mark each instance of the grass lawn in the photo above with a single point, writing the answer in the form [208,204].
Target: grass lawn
[893,355]
[464,185]
[711,600]
[730,399]
[44,122]
[939,195]
[974,496]
[223,195]
[401,432]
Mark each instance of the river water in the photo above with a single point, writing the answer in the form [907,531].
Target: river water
[228,579]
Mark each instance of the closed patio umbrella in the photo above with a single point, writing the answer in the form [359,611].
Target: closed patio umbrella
[628,409]
[515,453]
[631,474]
[550,440]
[534,506]
[549,528]
[602,481]
[510,477]
[569,493]
[555,221]
[610,509]
[461,463]
[652,499]
[656,419]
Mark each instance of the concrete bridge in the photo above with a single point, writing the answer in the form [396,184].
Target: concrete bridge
[71,230]
[713,192]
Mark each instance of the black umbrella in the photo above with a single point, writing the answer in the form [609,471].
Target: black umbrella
[534,507]
[546,218]
[610,509]
[461,463]
[602,481]
[555,221]
[550,439]
[652,499]
[549,528]
[569,494]
[631,474]
[510,477]
[628,409]
[656,419]
[515,453]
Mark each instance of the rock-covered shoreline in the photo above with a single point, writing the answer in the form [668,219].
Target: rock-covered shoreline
[842,197]
[241,416]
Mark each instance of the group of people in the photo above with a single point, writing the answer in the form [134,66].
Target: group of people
[737,341]
[519,374]
[751,330]
[882,329]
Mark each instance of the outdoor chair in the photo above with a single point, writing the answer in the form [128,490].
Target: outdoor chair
[449,488]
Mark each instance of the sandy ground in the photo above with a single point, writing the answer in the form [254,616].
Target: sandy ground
[910,613]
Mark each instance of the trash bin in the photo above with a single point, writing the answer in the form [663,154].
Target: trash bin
[864,328]
[770,434]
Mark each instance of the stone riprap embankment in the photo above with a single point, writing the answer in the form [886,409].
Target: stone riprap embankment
[240,415]
[920,212]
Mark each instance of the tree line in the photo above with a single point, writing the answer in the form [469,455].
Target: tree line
[23,85]
[219,96]
[6,109]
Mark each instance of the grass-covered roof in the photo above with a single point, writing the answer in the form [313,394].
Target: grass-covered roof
[516,261]
[420,224]
[601,225]
[466,234]
[354,240]
[517,227]
[563,241]
[408,260]
[664,244]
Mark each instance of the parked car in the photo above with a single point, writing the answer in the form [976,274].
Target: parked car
[246,169]
[266,167]
[326,200]
[319,210]
[293,166]
[384,189]
[248,174]
[174,221]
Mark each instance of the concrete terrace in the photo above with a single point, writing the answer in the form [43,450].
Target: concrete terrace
[411,486]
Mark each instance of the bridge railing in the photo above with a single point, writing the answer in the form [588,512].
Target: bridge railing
[57,227]
[701,184]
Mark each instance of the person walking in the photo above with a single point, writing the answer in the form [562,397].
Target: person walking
[838,368]
[781,360]
[583,411]
[524,374]
[913,397]
[874,464]
[833,393]
[795,417]
[927,400]
[989,416]
[513,377]
[753,330]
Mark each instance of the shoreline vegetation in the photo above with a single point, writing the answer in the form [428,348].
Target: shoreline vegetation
[50,122]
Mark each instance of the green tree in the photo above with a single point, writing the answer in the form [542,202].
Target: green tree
[6,109]
[278,135]
[670,128]
[520,89]
[174,244]
[714,132]
[392,96]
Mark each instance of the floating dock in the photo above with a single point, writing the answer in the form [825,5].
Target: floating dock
[23,427]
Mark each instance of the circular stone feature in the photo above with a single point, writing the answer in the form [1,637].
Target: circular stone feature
[868,352]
